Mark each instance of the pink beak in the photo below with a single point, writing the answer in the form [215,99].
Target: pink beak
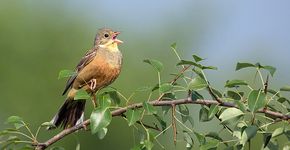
[115,38]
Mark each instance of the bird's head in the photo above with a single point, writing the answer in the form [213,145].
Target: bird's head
[107,38]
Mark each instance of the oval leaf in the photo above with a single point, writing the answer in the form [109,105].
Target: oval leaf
[213,109]
[197,58]
[271,69]
[248,133]
[14,119]
[149,108]
[243,65]
[66,73]
[197,84]
[277,132]
[165,87]
[234,83]
[102,133]
[285,88]
[133,116]
[81,95]
[230,113]
[155,63]
[256,100]
[100,118]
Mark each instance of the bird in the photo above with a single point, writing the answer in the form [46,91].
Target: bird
[100,66]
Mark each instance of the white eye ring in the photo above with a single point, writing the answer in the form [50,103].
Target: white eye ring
[106,35]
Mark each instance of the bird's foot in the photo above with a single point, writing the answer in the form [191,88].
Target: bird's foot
[93,84]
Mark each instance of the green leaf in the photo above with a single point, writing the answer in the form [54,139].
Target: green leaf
[66,73]
[273,92]
[272,146]
[234,95]
[100,118]
[14,119]
[173,45]
[235,83]
[282,99]
[213,109]
[216,92]
[161,121]
[256,100]
[285,88]
[248,133]
[165,87]
[187,62]
[244,65]
[81,95]
[137,147]
[271,69]
[214,135]
[197,58]
[169,96]
[209,67]
[200,138]
[165,109]
[155,87]
[241,105]
[277,132]
[149,108]
[195,96]
[197,83]
[133,116]
[277,106]
[230,113]
[148,144]
[104,101]
[155,63]
[203,115]
[102,133]
[185,114]
[3,132]
[115,97]
[210,144]
[188,139]
[48,124]
[266,139]
[198,71]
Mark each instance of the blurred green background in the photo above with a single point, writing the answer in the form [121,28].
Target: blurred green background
[40,38]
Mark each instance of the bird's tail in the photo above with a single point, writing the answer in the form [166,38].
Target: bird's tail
[70,114]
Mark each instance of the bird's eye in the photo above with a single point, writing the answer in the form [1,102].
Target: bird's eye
[106,35]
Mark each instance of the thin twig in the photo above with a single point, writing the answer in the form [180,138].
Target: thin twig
[174,124]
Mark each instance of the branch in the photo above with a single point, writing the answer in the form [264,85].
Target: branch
[120,111]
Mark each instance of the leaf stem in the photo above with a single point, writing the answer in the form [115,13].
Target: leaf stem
[261,77]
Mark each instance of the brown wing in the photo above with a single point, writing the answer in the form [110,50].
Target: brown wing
[84,61]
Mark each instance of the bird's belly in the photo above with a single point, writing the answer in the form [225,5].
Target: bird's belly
[103,72]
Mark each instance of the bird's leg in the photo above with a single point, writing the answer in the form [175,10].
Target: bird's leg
[93,84]
[94,100]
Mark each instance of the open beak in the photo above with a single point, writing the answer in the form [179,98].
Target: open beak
[115,38]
